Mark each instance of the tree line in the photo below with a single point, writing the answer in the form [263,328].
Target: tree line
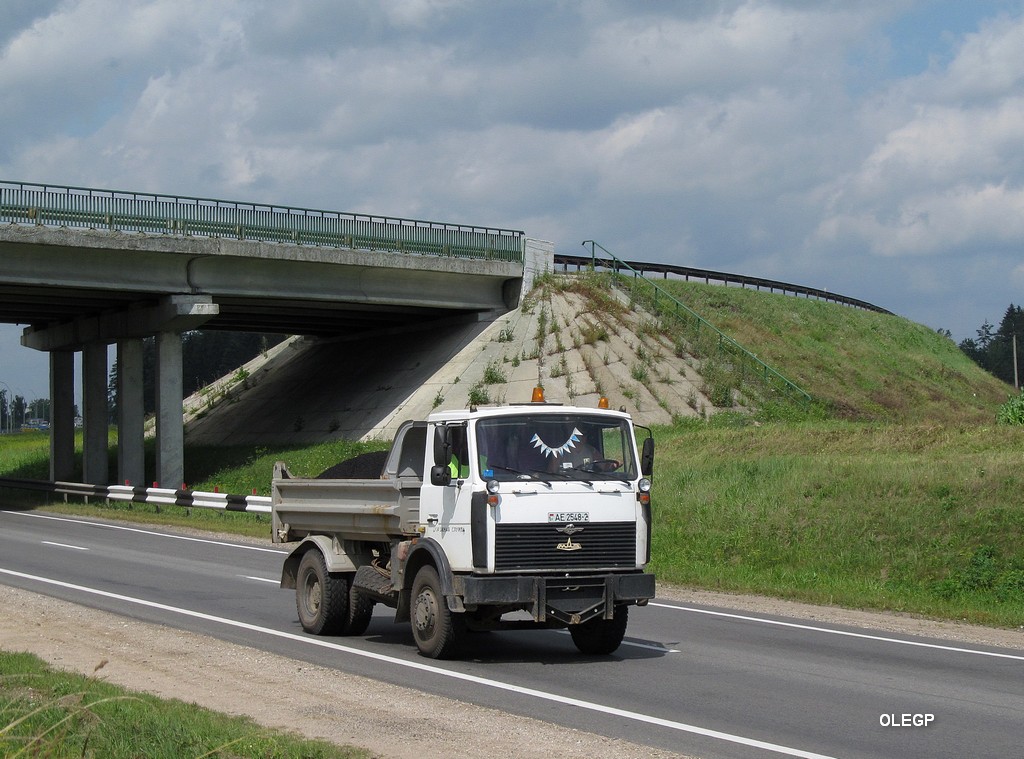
[993,349]
[16,412]
[206,356]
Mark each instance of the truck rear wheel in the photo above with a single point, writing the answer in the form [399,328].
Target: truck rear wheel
[320,597]
[436,630]
[360,610]
[600,637]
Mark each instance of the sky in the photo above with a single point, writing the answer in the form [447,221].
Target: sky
[873,148]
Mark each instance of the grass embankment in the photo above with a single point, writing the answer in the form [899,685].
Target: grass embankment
[856,364]
[915,518]
[50,713]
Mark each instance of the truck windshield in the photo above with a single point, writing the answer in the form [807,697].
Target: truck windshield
[555,447]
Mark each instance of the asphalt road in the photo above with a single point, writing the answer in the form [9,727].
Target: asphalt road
[704,681]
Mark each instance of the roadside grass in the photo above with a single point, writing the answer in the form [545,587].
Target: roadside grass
[52,713]
[239,470]
[919,518]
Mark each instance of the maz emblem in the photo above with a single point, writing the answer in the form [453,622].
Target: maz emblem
[570,529]
[568,545]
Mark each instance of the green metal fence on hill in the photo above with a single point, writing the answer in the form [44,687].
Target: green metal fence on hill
[113,210]
[699,331]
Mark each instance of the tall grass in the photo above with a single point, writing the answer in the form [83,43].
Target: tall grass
[925,519]
[48,713]
[858,364]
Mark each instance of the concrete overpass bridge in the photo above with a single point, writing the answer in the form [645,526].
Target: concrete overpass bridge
[85,269]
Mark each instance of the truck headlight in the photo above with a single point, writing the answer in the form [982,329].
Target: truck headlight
[493,499]
[643,491]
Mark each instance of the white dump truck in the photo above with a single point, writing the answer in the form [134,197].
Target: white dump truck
[522,516]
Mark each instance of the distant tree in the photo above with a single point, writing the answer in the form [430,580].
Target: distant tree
[19,411]
[206,356]
[39,408]
[1010,328]
[993,349]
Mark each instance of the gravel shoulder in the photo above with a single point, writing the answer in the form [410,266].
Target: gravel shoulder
[390,721]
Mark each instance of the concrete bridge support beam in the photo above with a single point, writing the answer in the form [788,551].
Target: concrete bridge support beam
[170,430]
[95,414]
[131,459]
[62,416]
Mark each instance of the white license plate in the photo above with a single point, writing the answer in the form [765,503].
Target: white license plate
[568,516]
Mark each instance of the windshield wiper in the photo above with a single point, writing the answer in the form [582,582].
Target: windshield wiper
[507,469]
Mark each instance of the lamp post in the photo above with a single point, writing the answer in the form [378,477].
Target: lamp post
[1016,384]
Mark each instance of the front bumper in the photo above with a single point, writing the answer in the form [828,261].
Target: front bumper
[568,600]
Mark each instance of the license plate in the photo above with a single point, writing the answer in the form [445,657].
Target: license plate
[568,516]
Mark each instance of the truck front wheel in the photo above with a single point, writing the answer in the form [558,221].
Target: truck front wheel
[320,597]
[436,629]
[600,637]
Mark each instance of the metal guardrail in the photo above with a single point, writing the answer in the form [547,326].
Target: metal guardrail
[159,496]
[663,303]
[709,275]
[115,210]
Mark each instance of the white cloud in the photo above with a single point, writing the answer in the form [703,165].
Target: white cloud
[733,134]
[947,174]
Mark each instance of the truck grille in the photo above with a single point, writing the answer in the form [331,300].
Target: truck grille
[601,545]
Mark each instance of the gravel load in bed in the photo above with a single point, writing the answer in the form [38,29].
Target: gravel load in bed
[365,466]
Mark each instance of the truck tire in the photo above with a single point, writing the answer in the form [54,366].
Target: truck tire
[600,637]
[436,630]
[360,610]
[320,597]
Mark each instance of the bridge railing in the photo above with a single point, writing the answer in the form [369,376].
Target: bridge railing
[725,278]
[114,210]
[702,332]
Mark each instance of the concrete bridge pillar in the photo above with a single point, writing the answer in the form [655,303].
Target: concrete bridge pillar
[95,414]
[131,464]
[168,319]
[62,416]
[170,431]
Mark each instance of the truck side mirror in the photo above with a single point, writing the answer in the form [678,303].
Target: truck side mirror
[442,446]
[647,458]
[440,476]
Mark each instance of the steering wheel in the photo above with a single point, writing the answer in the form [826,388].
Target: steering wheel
[602,465]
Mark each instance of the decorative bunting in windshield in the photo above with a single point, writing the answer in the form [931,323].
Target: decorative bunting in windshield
[560,450]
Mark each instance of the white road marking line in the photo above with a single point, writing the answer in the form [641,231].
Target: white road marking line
[260,579]
[144,532]
[435,670]
[847,633]
[63,545]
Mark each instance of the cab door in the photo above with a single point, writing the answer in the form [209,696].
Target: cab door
[446,509]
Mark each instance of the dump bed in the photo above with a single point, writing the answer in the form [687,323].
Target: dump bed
[372,510]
